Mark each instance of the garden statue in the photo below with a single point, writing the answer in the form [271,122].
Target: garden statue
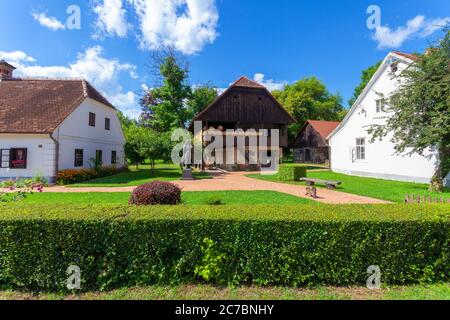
[186,162]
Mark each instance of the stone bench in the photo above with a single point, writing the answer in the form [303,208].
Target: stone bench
[330,184]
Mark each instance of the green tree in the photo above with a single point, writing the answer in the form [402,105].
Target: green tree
[201,97]
[309,99]
[125,121]
[164,105]
[153,145]
[132,146]
[366,75]
[420,109]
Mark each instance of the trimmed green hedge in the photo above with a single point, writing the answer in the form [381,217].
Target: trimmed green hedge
[117,246]
[291,173]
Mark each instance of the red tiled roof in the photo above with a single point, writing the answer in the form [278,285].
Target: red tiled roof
[324,128]
[406,55]
[41,105]
[3,62]
[246,82]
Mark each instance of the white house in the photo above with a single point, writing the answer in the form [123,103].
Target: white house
[351,150]
[47,125]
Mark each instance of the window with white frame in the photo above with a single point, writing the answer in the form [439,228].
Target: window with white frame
[4,158]
[380,105]
[361,149]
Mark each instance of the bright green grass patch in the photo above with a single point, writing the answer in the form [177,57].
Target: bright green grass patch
[394,191]
[189,198]
[420,292]
[210,292]
[261,212]
[136,177]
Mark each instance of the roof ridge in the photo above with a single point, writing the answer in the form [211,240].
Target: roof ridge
[49,78]
[406,55]
[84,85]
[245,78]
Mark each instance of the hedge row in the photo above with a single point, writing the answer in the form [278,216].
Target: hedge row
[71,176]
[291,172]
[124,246]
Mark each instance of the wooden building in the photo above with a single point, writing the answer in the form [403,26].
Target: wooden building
[311,144]
[245,105]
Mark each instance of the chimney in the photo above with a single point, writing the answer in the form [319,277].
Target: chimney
[6,70]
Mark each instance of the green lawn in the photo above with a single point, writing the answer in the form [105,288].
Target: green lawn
[208,292]
[376,188]
[189,198]
[162,172]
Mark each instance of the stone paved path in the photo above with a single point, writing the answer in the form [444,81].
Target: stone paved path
[234,181]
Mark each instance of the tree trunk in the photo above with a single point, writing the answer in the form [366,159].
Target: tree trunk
[437,183]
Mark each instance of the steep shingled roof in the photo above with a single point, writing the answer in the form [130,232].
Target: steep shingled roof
[247,83]
[244,82]
[324,128]
[41,105]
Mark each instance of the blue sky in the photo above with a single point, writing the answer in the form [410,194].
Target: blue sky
[275,42]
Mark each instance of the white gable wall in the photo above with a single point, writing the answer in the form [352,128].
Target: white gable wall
[75,133]
[380,159]
[40,155]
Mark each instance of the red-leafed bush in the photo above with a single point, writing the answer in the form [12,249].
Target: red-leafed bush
[156,193]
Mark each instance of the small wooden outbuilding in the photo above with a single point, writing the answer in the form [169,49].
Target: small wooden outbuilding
[311,144]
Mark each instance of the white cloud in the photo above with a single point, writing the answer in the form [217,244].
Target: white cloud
[416,27]
[49,22]
[270,84]
[91,65]
[188,25]
[111,18]
[16,57]
[434,25]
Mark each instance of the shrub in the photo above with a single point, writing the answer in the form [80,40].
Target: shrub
[125,246]
[291,173]
[156,193]
[214,201]
[72,176]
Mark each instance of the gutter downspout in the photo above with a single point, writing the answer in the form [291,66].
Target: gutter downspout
[56,163]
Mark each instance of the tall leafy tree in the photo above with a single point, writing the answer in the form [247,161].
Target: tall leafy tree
[132,135]
[366,75]
[202,96]
[164,105]
[420,109]
[147,144]
[309,99]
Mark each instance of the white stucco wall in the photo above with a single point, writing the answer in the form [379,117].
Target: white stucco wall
[380,159]
[40,155]
[75,133]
